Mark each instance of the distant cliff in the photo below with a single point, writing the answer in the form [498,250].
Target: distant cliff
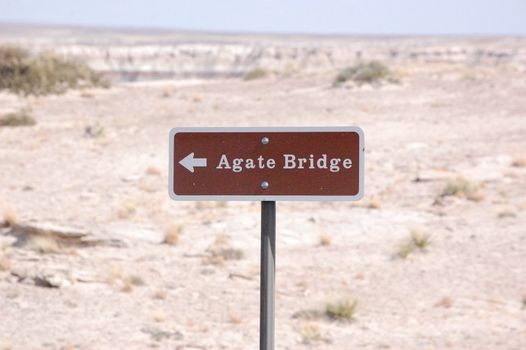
[135,55]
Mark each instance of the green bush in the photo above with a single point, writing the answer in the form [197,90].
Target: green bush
[363,72]
[26,74]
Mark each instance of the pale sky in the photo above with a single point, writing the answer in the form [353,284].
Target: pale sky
[478,17]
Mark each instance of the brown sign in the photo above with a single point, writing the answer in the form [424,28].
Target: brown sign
[266,164]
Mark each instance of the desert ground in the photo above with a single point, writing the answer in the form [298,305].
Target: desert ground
[95,255]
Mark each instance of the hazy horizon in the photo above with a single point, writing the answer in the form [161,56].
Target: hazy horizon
[160,29]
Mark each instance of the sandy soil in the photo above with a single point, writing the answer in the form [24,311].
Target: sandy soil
[127,290]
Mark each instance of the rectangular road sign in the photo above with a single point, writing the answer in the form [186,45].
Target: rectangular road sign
[266,164]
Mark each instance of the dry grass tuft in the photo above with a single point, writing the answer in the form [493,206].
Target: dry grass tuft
[310,332]
[160,294]
[256,73]
[87,94]
[519,161]
[10,218]
[221,205]
[325,240]
[114,274]
[222,251]
[374,204]
[168,91]
[506,213]
[43,244]
[152,170]
[445,302]
[342,310]
[234,317]
[5,263]
[19,118]
[405,249]
[172,234]
[122,281]
[68,347]
[159,316]
[126,286]
[6,345]
[128,208]
[230,253]
[461,187]
[420,238]
[476,196]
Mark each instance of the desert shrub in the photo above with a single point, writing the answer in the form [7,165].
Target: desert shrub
[460,187]
[420,238]
[343,310]
[10,218]
[172,234]
[26,74]
[363,72]
[256,73]
[222,251]
[137,280]
[19,118]
[405,249]
[325,240]
[230,253]
[310,332]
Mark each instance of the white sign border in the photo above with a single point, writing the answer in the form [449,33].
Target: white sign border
[361,170]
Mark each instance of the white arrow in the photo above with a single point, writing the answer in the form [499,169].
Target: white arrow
[189,162]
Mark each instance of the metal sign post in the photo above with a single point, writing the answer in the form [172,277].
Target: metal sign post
[268,275]
[267,165]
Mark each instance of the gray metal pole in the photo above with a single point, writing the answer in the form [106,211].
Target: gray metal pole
[268,273]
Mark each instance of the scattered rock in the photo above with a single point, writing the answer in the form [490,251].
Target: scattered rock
[46,279]
[94,131]
[239,275]
[63,236]
[158,334]
[445,302]
[132,178]
[434,175]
